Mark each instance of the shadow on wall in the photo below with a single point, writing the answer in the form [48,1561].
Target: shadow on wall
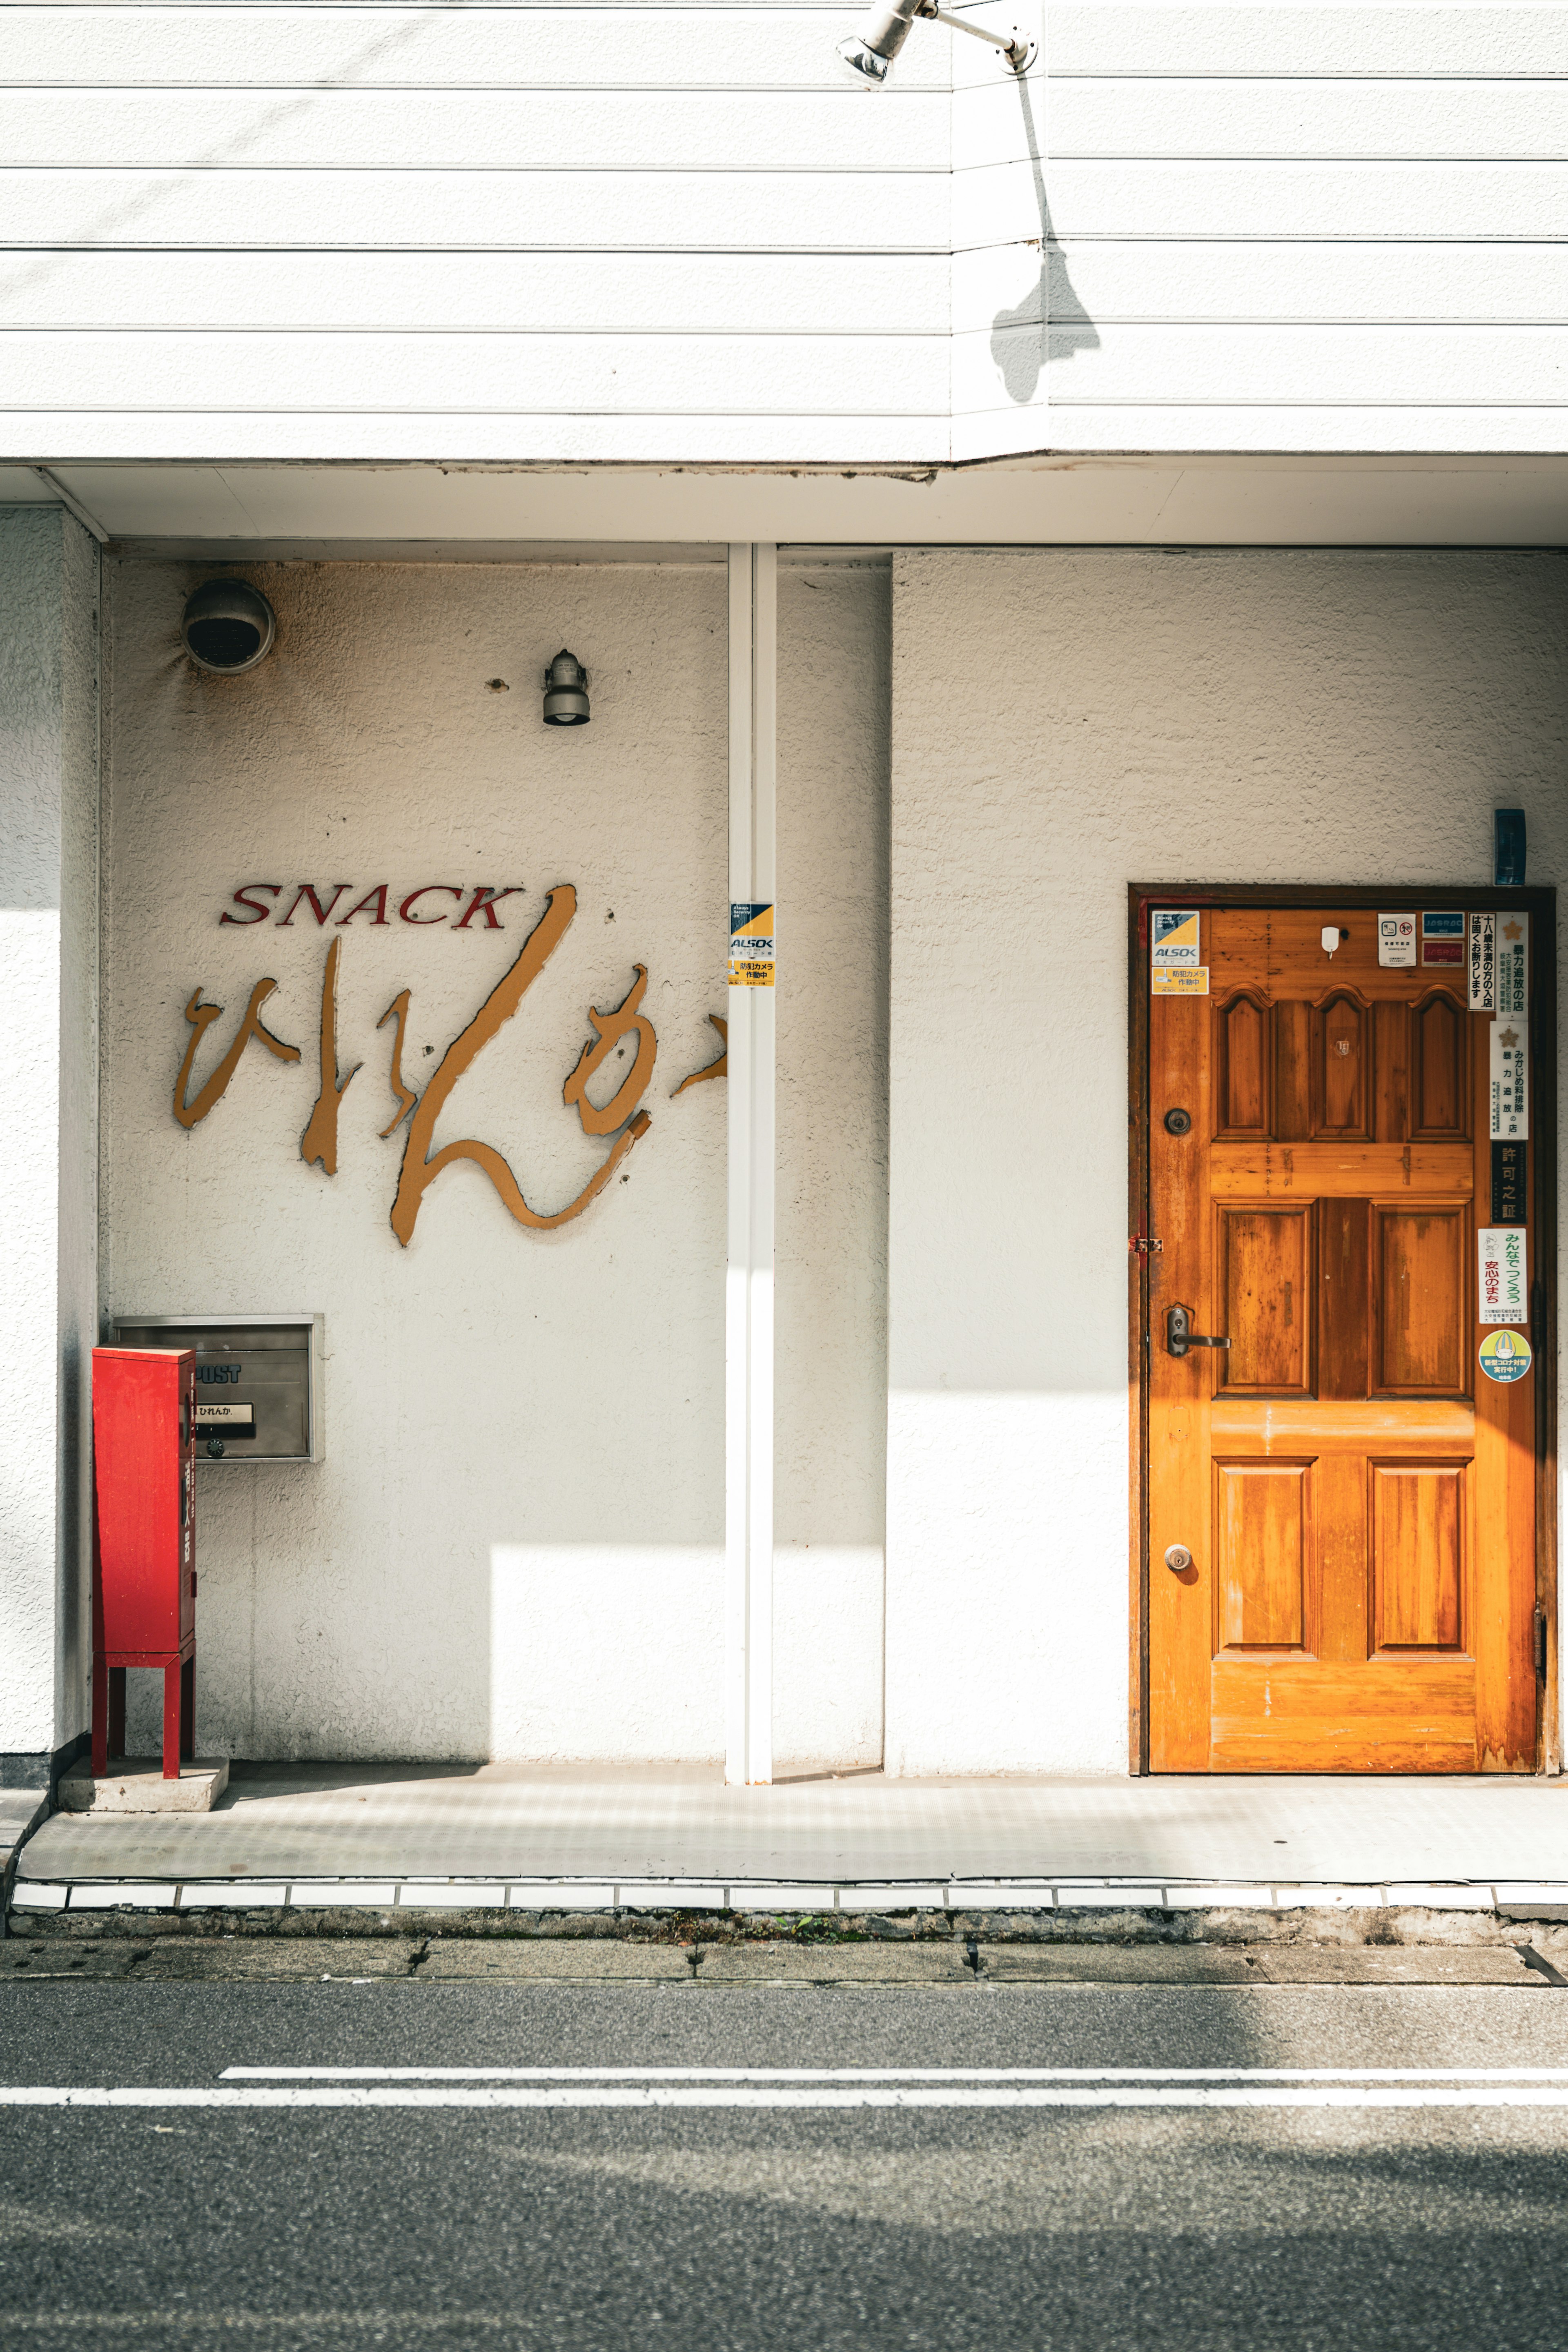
[1050,323]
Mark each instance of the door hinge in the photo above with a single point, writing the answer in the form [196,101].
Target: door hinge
[1540,1645]
[1139,1245]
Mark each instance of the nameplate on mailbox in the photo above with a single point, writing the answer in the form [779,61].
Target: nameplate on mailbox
[239,1420]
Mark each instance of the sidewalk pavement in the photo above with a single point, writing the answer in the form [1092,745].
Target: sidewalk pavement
[537,1838]
[19,1810]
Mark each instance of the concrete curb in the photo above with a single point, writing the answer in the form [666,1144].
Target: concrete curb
[944,1965]
[1329,1927]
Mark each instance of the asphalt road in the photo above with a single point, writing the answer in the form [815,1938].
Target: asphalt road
[975,2220]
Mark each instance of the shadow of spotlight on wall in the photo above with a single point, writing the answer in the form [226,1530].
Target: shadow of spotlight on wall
[1050,323]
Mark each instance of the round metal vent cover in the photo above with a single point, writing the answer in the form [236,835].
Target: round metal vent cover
[228,626]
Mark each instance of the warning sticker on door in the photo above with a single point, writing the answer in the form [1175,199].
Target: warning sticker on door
[1503,1290]
[1505,1356]
[1443,937]
[1173,937]
[1482,958]
[1397,939]
[1186,983]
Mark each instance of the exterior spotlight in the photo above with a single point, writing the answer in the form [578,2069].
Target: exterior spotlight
[228,626]
[565,692]
[869,52]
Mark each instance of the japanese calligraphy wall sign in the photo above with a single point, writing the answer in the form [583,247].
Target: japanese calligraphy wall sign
[621,1121]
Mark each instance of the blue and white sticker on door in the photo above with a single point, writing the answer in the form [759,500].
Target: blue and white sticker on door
[1176,967]
[1443,937]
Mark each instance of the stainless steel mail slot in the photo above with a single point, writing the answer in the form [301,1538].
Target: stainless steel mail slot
[259,1385]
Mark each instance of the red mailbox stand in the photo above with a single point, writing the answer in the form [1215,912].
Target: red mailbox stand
[144,1542]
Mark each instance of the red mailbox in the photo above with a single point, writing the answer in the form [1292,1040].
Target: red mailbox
[144,1545]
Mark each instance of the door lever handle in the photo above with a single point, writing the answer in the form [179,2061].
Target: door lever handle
[1179,1334]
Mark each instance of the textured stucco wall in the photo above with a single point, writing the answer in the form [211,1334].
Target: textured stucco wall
[48,971]
[514,1546]
[1064,723]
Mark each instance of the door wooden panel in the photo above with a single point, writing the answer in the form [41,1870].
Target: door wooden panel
[1420,1306]
[1292,1071]
[1307,1715]
[1344,1301]
[1439,1095]
[1342,1074]
[1243,1067]
[1260,1554]
[1418,1555]
[1266,1282]
[1358,1502]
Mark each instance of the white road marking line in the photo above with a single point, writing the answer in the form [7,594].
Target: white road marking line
[803,2075]
[1021,2096]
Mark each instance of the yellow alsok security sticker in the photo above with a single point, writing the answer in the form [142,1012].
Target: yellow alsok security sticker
[1175,947]
[1505,1355]
[751,946]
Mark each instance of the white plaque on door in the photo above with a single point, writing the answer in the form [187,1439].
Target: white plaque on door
[1509,1080]
[1504,1292]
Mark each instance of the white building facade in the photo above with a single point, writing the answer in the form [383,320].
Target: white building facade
[969,499]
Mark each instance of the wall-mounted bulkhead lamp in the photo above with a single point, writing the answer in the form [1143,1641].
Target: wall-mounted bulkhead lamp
[228,626]
[565,692]
[869,52]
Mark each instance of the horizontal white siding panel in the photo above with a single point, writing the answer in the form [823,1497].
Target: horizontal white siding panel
[466,48]
[518,375]
[1375,121]
[1201,429]
[1335,366]
[1441,201]
[1346,39]
[1169,282]
[503,131]
[760,294]
[554,293]
[234,436]
[748,212]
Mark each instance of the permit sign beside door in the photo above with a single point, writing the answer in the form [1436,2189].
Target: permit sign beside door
[1340,1564]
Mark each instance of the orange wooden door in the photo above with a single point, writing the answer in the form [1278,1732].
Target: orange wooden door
[1357,1495]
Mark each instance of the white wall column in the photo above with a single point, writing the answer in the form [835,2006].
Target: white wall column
[749,1281]
[48,1127]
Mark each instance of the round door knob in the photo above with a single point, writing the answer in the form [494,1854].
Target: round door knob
[1177,1557]
[1178,1122]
